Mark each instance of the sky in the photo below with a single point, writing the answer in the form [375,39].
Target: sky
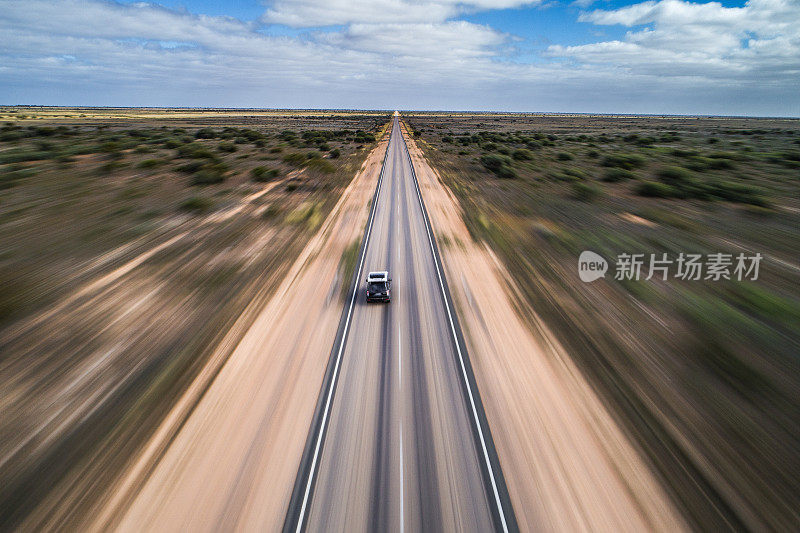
[577,56]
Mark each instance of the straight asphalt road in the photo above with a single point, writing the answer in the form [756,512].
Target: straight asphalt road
[401,446]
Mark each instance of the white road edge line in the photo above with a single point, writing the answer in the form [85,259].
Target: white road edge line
[341,347]
[402,485]
[400,381]
[458,347]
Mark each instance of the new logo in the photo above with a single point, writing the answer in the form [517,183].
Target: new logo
[591,266]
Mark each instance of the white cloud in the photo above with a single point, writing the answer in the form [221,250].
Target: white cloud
[454,40]
[313,13]
[705,40]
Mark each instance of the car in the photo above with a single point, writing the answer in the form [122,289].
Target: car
[379,286]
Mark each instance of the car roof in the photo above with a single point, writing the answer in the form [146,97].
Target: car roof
[380,275]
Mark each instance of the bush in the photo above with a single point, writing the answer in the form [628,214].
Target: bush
[264,174]
[626,161]
[522,155]
[197,204]
[683,153]
[564,156]
[655,189]
[335,153]
[12,175]
[618,174]
[205,133]
[594,154]
[151,163]
[500,165]
[721,164]
[209,174]
[321,165]
[585,192]
[227,147]
[195,151]
[191,167]
[737,192]
[296,158]
[7,136]
[675,175]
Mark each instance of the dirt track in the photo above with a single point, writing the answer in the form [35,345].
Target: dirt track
[567,464]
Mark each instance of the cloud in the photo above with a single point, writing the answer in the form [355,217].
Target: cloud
[316,13]
[699,40]
[676,58]
[454,40]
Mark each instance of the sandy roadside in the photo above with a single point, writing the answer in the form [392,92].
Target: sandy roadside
[228,461]
[567,464]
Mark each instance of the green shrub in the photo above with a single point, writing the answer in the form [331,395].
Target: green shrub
[10,176]
[191,167]
[725,155]
[335,153]
[19,156]
[655,189]
[594,154]
[227,147]
[207,176]
[264,174]
[585,192]
[499,164]
[321,165]
[276,150]
[195,151]
[699,164]
[618,174]
[205,133]
[675,175]
[626,161]
[522,155]
[197,204]
[737,192]
[721,164]
[295,158]
[151,163]
[564,156]
[210,174]
[8,136]
[683,153]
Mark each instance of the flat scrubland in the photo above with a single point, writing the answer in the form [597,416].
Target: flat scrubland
[702,374]
[131,242]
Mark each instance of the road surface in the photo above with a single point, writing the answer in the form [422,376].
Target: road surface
[398,443]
